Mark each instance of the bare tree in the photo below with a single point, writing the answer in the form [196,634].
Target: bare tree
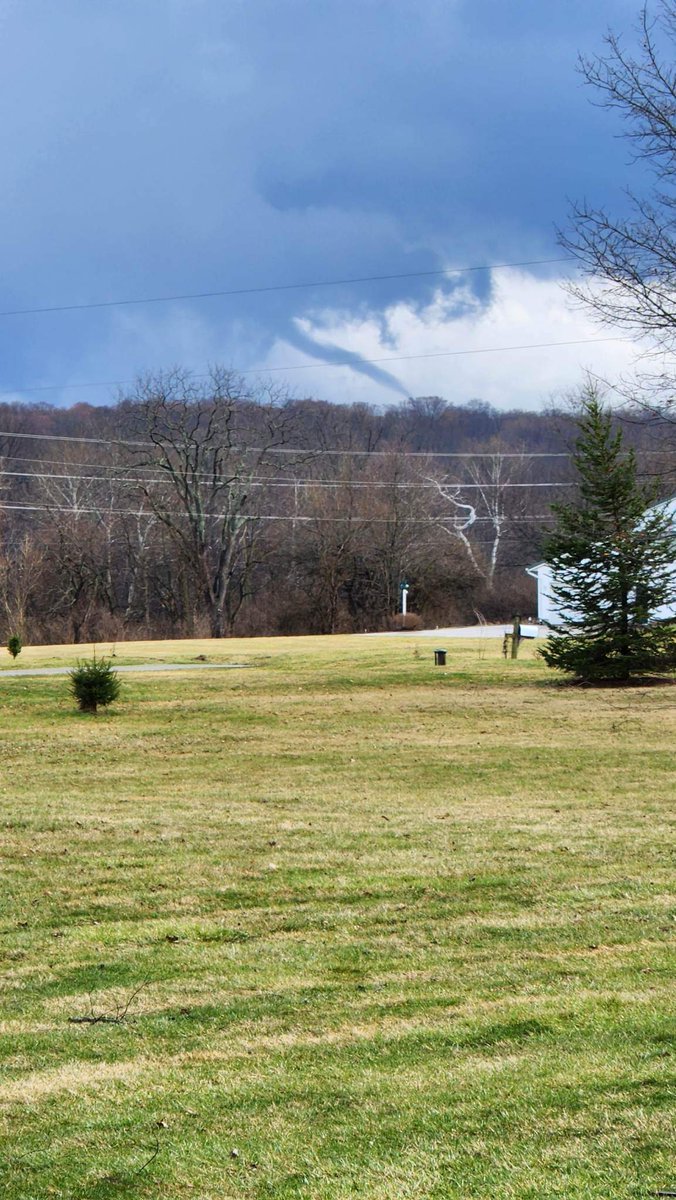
[630,262]
[79,522]
[459,517]
[399,531]
[21,564]
[480,509]
[206,454]
[328,546]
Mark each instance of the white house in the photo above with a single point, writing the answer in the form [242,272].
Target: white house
[548,608]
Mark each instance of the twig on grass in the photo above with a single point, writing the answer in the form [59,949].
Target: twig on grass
[108,1018]
[24,1161]
[125,1176]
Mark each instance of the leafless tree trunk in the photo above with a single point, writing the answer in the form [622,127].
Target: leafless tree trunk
[202,473]
[482,508]
[20,574]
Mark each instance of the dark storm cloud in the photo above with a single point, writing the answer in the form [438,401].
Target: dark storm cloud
[190,145]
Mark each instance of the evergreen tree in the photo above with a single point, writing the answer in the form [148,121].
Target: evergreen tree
[14,645]
[94,684]
[612,563]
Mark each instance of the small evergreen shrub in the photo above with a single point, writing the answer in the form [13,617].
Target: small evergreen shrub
[94,683]
[14,645]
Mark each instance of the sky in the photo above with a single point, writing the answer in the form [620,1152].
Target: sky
[173,147]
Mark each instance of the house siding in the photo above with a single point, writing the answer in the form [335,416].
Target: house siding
[548,609]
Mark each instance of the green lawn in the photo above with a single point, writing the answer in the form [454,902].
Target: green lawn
[381,930]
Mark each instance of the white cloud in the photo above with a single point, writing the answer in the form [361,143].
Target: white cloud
[454,329]
[470,338]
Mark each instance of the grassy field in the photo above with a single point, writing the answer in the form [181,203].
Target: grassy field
[359,927]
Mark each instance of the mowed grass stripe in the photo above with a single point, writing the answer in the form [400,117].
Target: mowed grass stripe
[398,931]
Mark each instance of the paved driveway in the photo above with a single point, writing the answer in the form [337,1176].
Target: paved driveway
[464,631]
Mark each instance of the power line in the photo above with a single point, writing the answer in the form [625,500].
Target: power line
[115,442]
[435,354]
[301,451]
[322,365]
[278,481]
[63,437]
[280,287]
[150,513]
[58,462]
[261,481]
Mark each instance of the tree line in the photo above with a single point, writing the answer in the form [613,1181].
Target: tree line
[205,507]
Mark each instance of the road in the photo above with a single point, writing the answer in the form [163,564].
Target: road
[466,631]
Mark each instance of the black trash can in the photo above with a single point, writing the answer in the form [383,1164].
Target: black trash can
[440,658]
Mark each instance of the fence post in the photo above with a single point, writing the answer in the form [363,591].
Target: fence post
[516,636]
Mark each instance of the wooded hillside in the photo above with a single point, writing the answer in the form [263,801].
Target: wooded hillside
[201,507]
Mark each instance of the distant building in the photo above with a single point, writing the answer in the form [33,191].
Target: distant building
[548,607]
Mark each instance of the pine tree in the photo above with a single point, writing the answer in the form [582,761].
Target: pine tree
[14,645]
[94,683]
[612,558]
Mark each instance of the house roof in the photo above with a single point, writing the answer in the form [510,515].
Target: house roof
[664,505]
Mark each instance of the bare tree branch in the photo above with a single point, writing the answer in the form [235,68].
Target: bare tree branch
[629,263]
